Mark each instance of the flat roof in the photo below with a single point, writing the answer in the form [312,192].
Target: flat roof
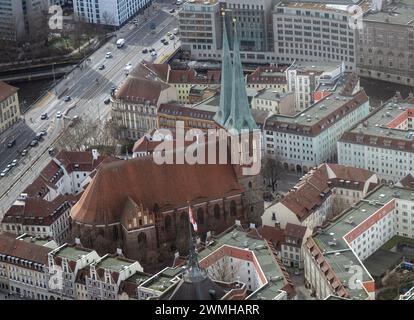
[113,263]
[401,13]
[321,109]
[333,5]
[72,253]
[271,269]
[341,255]
[162,280]
[376,122]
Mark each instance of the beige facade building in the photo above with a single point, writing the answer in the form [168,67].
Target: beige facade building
[9,106]
[386,43]
[274,101]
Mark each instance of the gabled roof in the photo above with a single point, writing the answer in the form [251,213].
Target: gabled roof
[6,90]
[23,249]
[145,182]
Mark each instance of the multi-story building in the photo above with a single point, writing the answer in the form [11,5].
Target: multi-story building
[386,42]
[20,19]
[309,138]
[383,141]
[9,106]
[291,247]
[69,260]
[321,194]
[308,80]
[135,103]
[275,102]
[22,267]
[39,217]
[106,274]
[201,28]
[108,12]
[315,31]
[336,253]
[268,77]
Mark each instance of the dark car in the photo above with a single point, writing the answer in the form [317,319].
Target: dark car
[43,116]
[101,67]
[152,50]
[34,143]
[11,144]
[163,40]
[172,10]
[107,101]
[67,99]
[166,43]
[144,51]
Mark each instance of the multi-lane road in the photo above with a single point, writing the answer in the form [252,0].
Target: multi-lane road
[88,87]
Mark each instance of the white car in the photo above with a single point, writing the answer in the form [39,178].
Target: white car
[153,53]
[4,173]
[108,55]
[59,114]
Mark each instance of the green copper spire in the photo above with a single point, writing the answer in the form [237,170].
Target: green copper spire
[226,79]
[240,116]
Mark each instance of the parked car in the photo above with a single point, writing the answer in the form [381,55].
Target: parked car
[14,162]
[11,143]
[4,172]
[107,101]
[165,43]
[172,37]
[34,143]
[67,99]
[59,114]
[175,31]
[43,116]
[172,10]
[144,51]
[163,40]
[153,53]
[51,151]
[108,55]
[24,153]
[101,67]
[39,136]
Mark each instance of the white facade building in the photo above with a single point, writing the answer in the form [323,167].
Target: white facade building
[309,138]
[383,142]
[108,12]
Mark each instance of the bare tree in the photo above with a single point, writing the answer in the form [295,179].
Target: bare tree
[223,270]
[272,170]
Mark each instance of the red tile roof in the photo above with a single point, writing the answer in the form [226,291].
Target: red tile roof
[145,182]
[23,249]
[6,90]
[295,231]
[274,235]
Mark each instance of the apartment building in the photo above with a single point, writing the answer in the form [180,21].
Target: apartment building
[106,274]
[268,77]
[22,266]
[336,252]
[315,32]
[383,141]
[70,260]
[309,138]
[275,102]
[9,106]
[108,12]
[308,81]
[320,195]
[386,42]
[135,103]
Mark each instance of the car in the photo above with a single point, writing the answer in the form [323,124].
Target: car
[153,53]
[175,31]
[11,144]
[168,34]
[144,51]
[108,55]
[67,99]
[172,10]
[135,21]
[43,132]
[14,162]
[24,153]
[9,166]
[39,136]
[43,116]
[151,50]
[107,101]
[4,173]
[34,143]
[163,40]
[101,67]
[51,151]
[165,43]
[172,37]
[59,114]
